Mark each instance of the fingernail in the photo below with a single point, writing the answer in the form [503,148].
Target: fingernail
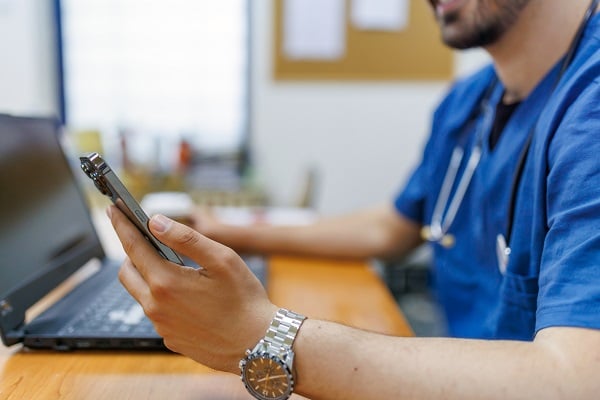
[160,223]
[109,212]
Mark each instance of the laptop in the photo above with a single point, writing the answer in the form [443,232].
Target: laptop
[47,235]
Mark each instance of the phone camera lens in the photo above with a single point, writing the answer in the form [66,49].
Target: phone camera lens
[86,168]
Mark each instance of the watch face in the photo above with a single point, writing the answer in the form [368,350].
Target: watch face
[267,377]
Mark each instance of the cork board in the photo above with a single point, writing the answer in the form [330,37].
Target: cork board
[414,53]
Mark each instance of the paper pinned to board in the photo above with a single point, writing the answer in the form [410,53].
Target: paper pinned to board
[382,15]
[314,29]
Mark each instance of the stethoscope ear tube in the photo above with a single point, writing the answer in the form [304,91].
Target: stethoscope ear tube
[437,231]
[503,241]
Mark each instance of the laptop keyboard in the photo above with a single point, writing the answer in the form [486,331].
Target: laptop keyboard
[114,312]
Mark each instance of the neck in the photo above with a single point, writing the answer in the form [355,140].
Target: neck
[538,39]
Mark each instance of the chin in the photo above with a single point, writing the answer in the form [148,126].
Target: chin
[456,37]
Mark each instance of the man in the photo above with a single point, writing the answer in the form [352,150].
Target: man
[538,292]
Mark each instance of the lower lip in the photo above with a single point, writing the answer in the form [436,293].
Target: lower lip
[449,7]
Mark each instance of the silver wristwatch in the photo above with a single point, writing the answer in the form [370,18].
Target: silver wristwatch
[267,369]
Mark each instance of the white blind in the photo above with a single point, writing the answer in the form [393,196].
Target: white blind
[174,68]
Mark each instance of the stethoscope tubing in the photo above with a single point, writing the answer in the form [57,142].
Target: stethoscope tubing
[520,167]
[440,223]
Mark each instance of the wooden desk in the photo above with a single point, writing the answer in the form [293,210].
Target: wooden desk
[343,291]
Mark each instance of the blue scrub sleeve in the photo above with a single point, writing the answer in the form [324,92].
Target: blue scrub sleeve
[569,282]
[410,201]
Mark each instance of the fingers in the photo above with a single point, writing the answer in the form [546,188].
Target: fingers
[142,254]
[211,255]
[186,305]
[133,281]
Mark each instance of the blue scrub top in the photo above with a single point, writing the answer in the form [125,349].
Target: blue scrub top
[553,276]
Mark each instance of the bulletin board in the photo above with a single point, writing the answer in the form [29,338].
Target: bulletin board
[413,53]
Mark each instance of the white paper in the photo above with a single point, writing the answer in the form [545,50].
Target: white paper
[383,15]
[270,215]
[314,29]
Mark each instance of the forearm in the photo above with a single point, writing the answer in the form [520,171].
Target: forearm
[313,240]
[335,362]
[376,232]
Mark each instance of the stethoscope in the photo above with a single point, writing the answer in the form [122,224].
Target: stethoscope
[437,230]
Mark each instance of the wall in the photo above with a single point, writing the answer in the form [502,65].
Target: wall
[362,138]
[27,73]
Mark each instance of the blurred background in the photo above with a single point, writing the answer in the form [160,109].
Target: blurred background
[205,96]
[206,75]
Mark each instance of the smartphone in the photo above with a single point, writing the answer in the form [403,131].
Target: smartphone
[109,184]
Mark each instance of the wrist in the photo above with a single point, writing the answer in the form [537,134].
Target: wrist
[258,328]
[268,368]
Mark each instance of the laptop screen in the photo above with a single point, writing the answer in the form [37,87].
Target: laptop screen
[45,221]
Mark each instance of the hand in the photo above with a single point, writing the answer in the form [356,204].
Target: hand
[212,314]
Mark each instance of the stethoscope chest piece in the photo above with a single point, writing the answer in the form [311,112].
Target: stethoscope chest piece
[446,207]
[430,234]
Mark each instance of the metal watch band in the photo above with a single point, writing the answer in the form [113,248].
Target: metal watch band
[283,329]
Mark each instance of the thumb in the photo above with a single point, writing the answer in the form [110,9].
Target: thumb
[189,242]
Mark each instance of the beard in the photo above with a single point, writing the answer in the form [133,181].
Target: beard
[483,27]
